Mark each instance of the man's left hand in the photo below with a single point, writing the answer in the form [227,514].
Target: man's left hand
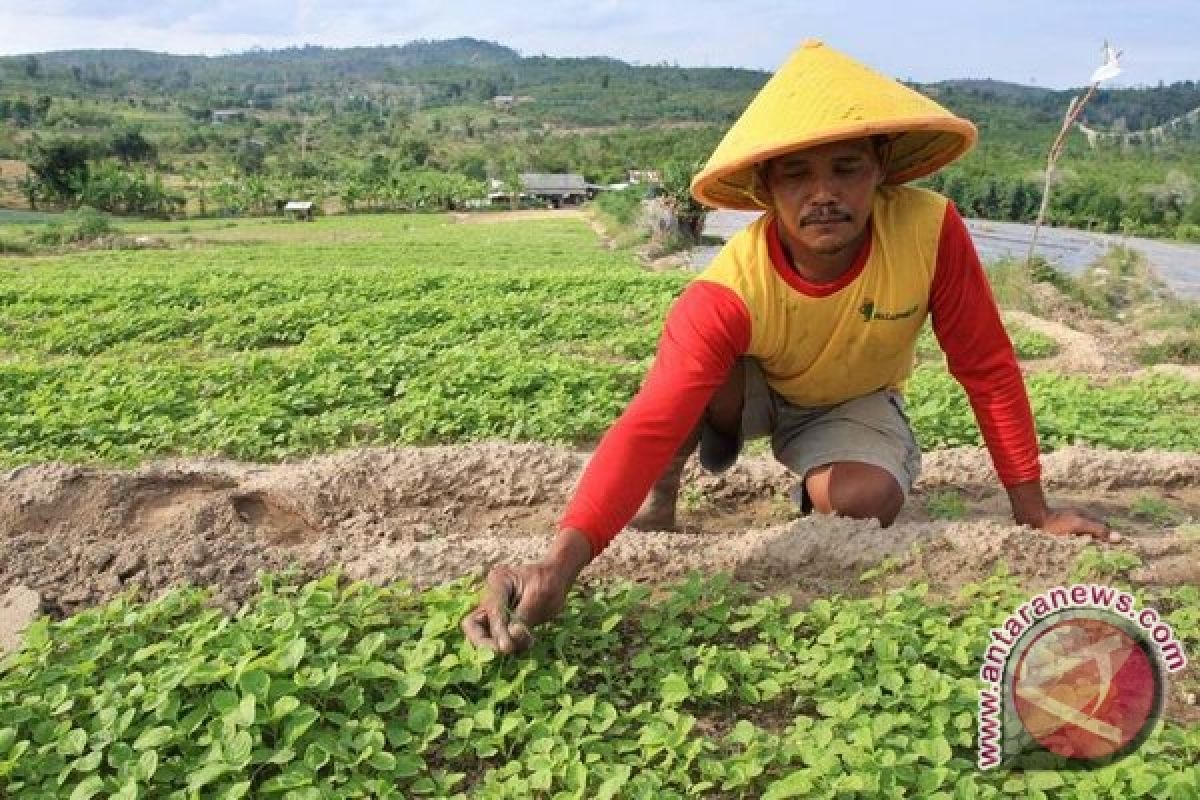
[1068,522]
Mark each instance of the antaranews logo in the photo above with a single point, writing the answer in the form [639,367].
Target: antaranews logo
[1076,676]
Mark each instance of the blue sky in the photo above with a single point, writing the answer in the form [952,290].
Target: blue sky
[1053,43]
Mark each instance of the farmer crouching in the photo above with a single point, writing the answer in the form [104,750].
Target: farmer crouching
[804,330]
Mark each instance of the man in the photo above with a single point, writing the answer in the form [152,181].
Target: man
[804,329]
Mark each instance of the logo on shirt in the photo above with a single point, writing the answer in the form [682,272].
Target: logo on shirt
[870,312]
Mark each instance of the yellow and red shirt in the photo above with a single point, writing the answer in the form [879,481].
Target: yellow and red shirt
[819,344]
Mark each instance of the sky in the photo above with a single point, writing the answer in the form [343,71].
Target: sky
[1051,43]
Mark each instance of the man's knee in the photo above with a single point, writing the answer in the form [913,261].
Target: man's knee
[856,490]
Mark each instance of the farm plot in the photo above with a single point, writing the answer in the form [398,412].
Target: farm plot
[198,416]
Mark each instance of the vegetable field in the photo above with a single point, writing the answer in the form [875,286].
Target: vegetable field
[384,329]
[267,343]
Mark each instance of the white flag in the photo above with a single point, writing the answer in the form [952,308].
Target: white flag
[1110,68]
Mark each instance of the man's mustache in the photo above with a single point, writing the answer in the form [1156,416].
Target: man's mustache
[825,215]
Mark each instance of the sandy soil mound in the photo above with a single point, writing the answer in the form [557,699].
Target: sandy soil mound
[1096,351]
[78,535]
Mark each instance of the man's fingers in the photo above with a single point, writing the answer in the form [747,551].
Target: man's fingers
[474,625]
[1097,530]
[495,623]
[497,619]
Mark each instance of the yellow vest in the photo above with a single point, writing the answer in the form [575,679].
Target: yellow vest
[819,351]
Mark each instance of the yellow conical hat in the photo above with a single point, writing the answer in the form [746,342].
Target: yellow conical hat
[821,96]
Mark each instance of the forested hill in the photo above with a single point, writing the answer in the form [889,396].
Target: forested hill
[376,127]
[580,90]
[575,91]
[1109,109]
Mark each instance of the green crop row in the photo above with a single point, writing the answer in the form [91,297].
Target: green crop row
[396,330]
[340,691]
[1157,411]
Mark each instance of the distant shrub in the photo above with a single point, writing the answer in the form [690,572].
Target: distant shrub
[82,225]
[11,246]
[1188,232]
[623,206]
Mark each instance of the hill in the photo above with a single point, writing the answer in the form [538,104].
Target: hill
[349,127]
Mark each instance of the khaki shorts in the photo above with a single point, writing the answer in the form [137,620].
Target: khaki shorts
[872,429]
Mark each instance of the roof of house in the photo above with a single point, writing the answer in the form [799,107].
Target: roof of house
[548,182]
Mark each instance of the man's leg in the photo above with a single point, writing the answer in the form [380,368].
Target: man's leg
[854,489]
[724,414]
[858,459]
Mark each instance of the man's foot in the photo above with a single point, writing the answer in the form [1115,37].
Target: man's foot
[656,514]
[658,509]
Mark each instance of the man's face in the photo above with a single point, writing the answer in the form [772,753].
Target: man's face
[823,195]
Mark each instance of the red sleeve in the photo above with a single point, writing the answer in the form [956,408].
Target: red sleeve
[979,354]
[706,330]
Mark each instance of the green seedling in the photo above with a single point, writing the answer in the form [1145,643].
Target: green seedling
[335,689]
[1156,510]
[692,498]
[1096,564]
[946,504]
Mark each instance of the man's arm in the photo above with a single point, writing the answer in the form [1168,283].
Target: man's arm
[704,333]
[980,356]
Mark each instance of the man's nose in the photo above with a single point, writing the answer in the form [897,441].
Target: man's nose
[824,189]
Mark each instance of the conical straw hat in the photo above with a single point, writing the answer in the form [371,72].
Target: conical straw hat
[821,95]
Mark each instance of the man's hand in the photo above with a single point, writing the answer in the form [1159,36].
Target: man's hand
[1071,521]
[1030,508]
[518,598]
[515,600]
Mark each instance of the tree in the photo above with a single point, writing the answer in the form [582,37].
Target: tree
[129,146]
[61,167]
[413,151]
[677,190]
[352,192]
[251,157]
[21,112]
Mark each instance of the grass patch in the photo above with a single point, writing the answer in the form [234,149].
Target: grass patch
[82,225]
[10,245]
[1012,285]
[1119,282]
[1179,348]
[622,207]
[620,213]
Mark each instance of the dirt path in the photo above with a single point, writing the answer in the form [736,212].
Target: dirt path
[78,536]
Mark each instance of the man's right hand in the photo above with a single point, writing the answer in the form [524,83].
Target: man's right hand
[515,600]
